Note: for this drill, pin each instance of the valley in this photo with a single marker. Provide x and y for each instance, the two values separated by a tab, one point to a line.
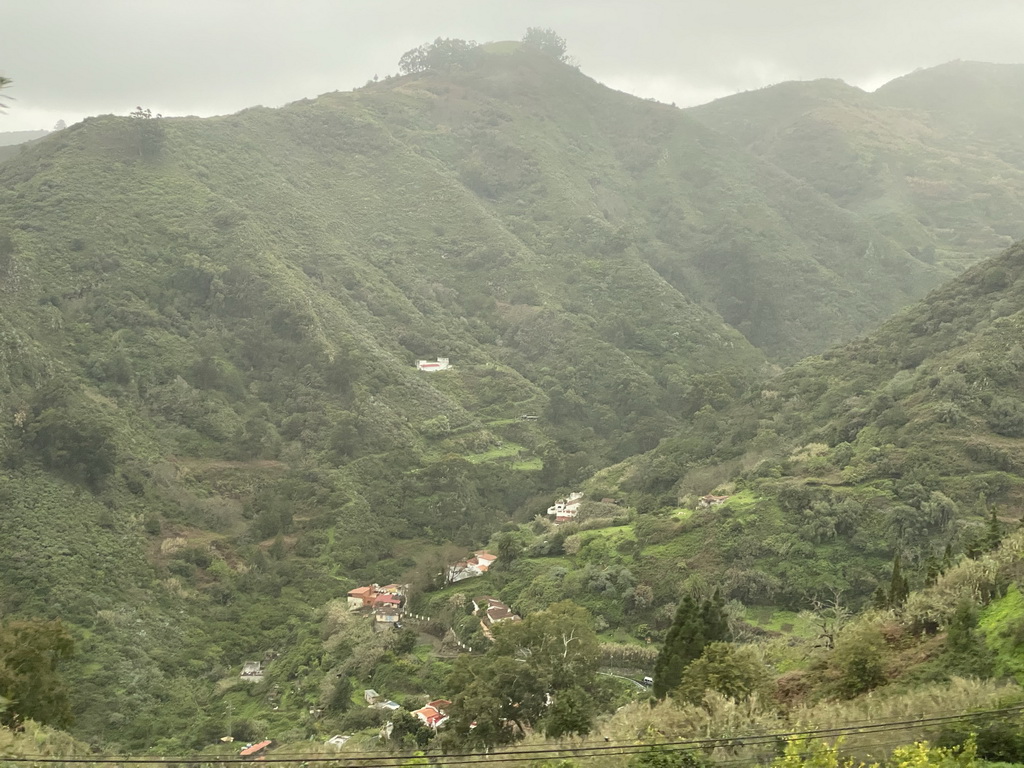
766	354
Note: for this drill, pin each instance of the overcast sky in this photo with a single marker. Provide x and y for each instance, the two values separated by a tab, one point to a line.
73	58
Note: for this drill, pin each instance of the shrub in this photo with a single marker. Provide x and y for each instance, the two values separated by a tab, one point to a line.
857	660
731	670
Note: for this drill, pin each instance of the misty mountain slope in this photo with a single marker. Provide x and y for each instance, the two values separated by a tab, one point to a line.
13	138
905	441
537	140
987	98
164	318
934	159
393	256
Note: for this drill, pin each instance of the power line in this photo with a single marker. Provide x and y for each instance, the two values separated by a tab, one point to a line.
852	726
806	726
516	755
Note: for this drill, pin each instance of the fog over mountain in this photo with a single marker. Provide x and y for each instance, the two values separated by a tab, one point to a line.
70	60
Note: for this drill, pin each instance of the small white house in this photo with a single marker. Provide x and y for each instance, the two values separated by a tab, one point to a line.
252	671
338	741
441	364
706	502
387	610
463	570
567	508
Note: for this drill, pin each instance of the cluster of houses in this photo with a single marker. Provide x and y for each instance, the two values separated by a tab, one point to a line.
490	611
477	565
385	603
441	364
564	510
375	701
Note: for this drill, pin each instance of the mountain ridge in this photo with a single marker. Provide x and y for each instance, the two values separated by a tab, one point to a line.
933	158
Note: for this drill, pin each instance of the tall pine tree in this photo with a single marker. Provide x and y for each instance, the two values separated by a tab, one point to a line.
899	588
694	626
994	532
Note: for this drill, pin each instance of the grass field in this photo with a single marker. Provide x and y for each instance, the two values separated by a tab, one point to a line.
776	620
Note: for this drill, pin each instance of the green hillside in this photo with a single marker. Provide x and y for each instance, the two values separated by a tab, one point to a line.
934	159
904	442
788	268
215	426
863	549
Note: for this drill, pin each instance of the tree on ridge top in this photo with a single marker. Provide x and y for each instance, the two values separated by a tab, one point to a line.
442	54
547	41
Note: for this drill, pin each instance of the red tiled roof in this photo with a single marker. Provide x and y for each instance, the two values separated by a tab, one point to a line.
255	748
431	715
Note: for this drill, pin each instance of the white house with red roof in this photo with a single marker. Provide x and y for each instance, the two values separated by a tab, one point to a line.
477	565
484	559
434	714
367	597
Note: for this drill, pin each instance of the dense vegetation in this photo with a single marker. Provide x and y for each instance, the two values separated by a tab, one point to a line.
215	426
905	442
852	478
